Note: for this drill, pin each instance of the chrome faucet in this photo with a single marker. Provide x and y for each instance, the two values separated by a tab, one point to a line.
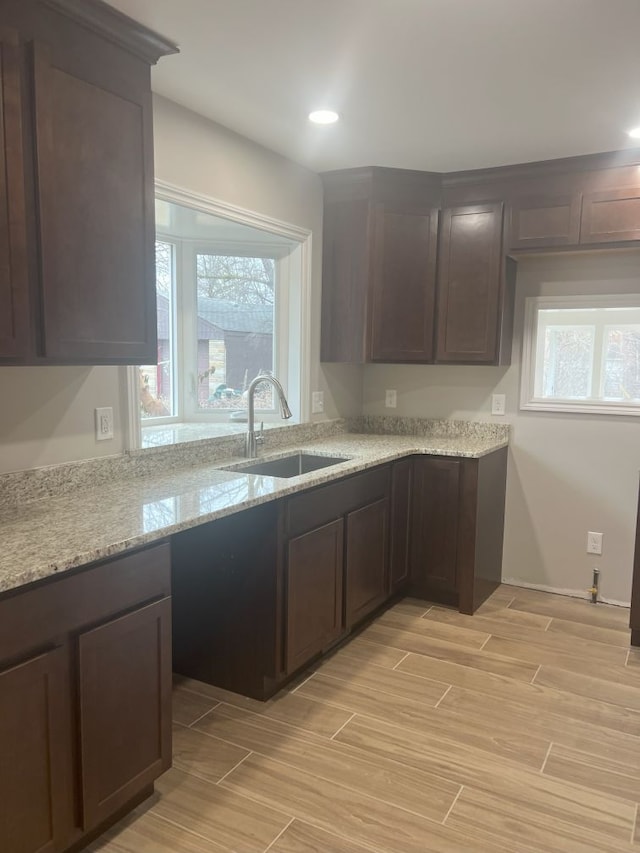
252	440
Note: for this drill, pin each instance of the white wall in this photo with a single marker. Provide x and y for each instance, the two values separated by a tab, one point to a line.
567	473
47	413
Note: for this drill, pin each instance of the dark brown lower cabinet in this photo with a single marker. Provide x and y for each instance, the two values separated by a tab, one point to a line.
35	745
258	595
124	681
367	585
436	504
226	583
85	700
314	592
343	525
458	528
400	533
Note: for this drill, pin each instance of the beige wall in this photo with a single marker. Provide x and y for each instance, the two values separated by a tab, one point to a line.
567	473
47	413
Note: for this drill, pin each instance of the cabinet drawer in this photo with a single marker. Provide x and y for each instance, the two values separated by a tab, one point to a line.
33	618
324	504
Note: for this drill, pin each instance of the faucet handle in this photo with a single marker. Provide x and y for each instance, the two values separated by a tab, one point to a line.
260	436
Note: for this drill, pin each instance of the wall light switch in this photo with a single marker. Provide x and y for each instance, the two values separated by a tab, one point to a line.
498	404
104	423
390	399
317	402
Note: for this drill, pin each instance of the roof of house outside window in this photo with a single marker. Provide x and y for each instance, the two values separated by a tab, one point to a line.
216	316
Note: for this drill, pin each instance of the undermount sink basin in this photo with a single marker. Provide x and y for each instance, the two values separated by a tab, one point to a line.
289	466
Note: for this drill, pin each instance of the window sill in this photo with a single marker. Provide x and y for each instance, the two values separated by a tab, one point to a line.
167	434
580	408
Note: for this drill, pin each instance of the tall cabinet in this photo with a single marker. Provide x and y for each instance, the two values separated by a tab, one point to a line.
76	170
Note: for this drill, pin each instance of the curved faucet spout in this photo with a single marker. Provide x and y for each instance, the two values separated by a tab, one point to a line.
285	411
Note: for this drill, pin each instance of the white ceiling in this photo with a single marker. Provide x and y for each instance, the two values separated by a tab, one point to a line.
421	84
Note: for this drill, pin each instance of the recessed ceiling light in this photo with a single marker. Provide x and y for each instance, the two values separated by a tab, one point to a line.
323	116
635	133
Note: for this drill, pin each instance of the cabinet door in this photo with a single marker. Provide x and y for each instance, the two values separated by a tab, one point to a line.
401	480
92	117
314	592
436	498
35	750
367	560
404	285
611	216
541	221
124	699
346	246
469	284
13	250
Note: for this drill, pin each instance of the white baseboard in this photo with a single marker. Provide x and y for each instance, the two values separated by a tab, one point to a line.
572	593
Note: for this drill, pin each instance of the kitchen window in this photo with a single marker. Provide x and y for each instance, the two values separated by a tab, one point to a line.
232	296
582	354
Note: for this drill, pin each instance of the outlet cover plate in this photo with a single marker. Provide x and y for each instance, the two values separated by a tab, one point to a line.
390	399
498	404
594	542
104	423
317	402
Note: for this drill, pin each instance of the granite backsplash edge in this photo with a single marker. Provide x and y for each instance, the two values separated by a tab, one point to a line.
21	487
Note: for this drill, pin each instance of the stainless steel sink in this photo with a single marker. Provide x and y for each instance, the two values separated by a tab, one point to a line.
288	466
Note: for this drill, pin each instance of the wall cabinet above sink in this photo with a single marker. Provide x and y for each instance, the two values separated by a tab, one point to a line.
77	271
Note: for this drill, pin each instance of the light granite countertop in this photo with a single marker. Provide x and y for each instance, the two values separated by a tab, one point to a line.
44	537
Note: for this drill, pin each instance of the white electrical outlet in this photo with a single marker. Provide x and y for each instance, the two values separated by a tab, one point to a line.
498	404
317	402
390	399
594	542
104	423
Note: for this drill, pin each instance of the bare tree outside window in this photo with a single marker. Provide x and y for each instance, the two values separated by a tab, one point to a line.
236	302
245	281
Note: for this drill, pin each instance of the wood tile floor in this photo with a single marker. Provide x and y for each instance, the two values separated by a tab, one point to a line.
517	729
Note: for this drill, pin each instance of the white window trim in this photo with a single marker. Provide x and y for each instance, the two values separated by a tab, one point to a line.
299	305
528	400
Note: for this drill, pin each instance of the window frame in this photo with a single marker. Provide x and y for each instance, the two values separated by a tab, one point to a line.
294	314
531	348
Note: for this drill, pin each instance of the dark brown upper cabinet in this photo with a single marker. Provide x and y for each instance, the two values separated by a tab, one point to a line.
539	221
574	203
86	161
580	219
379	265
13	236
385	270
403	279
611	216
471	284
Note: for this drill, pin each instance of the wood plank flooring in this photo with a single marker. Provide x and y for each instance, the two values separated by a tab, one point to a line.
516	730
